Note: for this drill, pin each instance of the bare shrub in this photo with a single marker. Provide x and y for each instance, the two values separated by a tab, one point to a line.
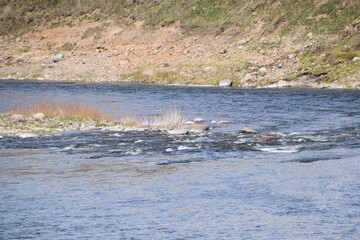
168	120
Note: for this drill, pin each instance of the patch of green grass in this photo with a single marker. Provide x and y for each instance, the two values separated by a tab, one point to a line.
95	32
24	49
67	46
336	64
23	15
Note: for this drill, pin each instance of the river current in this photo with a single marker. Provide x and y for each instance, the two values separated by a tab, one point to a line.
221	184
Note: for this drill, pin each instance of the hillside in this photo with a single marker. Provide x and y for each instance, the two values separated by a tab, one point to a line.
254	43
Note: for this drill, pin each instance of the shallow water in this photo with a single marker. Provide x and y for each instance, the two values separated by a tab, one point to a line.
303	184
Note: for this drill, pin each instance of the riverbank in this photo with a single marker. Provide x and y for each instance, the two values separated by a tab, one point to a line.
257	54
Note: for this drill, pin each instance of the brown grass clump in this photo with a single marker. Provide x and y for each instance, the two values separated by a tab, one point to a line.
62	110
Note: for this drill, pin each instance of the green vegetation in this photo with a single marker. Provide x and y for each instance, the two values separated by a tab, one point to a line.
325	17
333	65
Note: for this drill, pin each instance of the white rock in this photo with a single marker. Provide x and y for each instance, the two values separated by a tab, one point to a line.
244	41
58	58
356	59
38	116
169	150
291	56
225	83
178	131
28	135
248	130
198	120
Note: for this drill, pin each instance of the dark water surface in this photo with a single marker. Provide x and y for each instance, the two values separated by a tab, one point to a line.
218	185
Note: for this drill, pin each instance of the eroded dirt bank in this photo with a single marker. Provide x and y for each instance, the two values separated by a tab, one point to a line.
95	51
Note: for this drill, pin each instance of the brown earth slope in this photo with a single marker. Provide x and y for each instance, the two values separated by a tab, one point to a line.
104	50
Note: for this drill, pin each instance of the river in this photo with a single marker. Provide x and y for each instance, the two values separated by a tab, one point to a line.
217	185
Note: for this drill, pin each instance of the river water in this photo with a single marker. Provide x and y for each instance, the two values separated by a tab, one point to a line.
218	185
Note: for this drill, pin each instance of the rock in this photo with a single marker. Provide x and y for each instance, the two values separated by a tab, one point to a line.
225	51
247	130
225	83
208	69
76	125
356	59
38	116
195	128
247	78
18	118
281	84
267	139
310	35
263	71
158	47
178	132
244	41
291	56
252	69
223	122
264	41
58	58
28	135
198	120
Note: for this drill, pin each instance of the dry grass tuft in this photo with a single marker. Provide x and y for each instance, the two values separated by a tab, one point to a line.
168	120
62	110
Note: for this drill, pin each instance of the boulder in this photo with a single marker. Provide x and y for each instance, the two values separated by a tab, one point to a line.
178	132
195	128
247	130
247	78
356	59
198	120
18	118
58	57
263	71
225	83
38	116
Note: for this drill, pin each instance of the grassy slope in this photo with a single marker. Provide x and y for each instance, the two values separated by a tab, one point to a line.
20	15
324	19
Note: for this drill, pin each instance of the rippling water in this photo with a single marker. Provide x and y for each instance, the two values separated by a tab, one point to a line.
302	184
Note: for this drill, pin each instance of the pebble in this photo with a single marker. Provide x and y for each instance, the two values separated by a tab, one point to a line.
248	130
